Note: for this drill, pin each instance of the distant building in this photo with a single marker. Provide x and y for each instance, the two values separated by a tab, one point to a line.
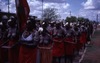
6	15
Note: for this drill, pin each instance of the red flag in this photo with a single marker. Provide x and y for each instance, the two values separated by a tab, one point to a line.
23	10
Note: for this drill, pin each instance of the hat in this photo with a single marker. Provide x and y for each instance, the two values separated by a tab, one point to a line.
43	23
12	17
28	21
52	21
71	24
9	20
66	24
1	23
40	29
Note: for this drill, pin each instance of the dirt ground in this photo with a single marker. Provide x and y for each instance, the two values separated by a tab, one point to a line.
92	54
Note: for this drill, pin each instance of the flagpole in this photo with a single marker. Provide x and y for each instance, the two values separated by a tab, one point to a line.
70	13
97	18
42	9
8	8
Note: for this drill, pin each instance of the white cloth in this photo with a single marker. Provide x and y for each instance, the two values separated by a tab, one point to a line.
29	38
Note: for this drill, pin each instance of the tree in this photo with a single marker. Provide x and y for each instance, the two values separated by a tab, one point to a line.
75	19
50	14
81	19
71	19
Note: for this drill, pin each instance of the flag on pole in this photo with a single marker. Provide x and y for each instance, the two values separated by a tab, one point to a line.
22	9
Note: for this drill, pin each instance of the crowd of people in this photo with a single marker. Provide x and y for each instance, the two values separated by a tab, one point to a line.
47	42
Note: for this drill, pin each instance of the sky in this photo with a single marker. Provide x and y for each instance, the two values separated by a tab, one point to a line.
79	8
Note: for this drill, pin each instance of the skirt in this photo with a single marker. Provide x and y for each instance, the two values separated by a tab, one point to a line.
27	54
46	54
3	53
13	53
58	48
69	47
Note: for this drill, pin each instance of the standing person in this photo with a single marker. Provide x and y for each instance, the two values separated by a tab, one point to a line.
28	47
83	36
45	47
3	52
1	24
69	44
88	33
58	47
1	37
50	28
76	38
13	38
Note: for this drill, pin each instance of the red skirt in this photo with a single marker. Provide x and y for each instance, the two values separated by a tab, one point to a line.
3	54
58	48
27	54
13	53
46	53
1	61
82	40
69	47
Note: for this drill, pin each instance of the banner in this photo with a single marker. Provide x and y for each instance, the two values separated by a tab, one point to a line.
22	10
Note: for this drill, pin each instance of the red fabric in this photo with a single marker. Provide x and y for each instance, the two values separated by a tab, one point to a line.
3	54
45	53
1	61
79	46
58	48
70	39
83	38
13	53
69	47
27	55
51	32
22	12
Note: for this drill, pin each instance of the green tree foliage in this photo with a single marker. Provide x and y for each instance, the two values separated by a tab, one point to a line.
74	19
71	19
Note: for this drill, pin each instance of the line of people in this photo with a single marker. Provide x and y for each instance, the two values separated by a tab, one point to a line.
54	40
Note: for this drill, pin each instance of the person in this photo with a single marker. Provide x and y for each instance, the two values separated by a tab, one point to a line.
69	44
13	38
1	33
1	37
45	47
89	32
58	47
29	41
3	52
83	36
76	38
50	28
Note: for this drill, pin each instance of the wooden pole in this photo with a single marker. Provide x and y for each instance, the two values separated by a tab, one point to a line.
42	9
8	9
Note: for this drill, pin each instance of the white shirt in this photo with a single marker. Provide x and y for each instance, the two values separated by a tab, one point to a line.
29	38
